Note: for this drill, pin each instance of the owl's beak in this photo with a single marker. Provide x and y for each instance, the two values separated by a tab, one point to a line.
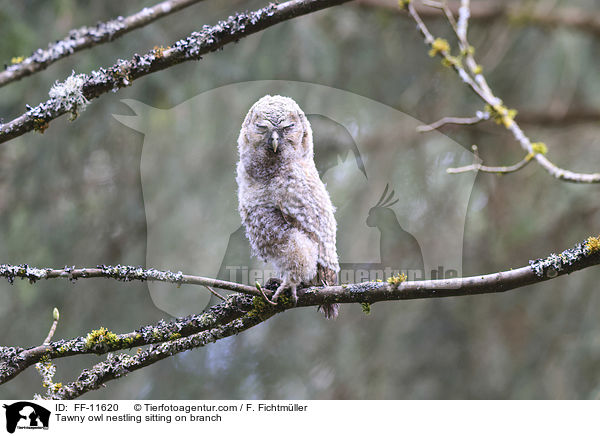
273	140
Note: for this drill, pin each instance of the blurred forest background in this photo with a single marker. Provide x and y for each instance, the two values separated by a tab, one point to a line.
73	196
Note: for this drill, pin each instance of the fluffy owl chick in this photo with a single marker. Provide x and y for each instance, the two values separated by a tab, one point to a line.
283	204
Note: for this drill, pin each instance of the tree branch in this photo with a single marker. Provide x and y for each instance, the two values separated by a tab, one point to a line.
119	365
14	360
478	166
544	119
494	170
87	37
582	255
241	312
123	273
475	80
479	117
514	12
74	94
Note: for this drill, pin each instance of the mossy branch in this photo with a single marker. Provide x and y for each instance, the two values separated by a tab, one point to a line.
240	312
13	360
119	365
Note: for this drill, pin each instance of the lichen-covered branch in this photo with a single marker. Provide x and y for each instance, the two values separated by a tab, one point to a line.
119	365
516	13
240	312
124	273
86	37
82	88
471	74
14	360
582	255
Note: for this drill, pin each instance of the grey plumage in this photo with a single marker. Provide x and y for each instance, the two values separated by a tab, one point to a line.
284	206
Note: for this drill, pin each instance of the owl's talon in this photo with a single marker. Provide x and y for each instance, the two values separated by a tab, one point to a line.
276	294
273	283
282	288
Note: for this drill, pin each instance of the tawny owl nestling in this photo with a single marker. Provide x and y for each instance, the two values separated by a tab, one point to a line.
283	204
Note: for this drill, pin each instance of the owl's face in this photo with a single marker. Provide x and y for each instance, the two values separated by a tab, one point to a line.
276	129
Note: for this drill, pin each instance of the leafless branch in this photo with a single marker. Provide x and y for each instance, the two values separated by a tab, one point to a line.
124	273
517	13
87	37
475	80
478	118
55	318
72	95
215	293
14	360
538	118
119	365
240	312
487	169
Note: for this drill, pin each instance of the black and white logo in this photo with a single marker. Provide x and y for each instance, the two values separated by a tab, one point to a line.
26	415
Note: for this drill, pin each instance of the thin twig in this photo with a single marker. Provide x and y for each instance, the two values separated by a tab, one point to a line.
479	86
215	293
545	119
478	118
488	169
55	316
433	4
429	40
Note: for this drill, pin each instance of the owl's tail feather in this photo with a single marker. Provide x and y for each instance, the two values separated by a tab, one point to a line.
330	310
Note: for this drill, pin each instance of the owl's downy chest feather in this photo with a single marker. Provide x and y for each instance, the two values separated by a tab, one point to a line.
271	185
264	166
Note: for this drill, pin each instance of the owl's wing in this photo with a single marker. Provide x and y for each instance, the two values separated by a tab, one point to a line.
306	206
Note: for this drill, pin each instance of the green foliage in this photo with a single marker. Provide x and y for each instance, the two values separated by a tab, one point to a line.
366	308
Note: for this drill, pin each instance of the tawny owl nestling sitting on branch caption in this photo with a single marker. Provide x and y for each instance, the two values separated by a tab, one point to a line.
283	204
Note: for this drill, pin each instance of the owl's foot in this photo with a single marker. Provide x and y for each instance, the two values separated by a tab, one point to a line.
283	287
273	284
